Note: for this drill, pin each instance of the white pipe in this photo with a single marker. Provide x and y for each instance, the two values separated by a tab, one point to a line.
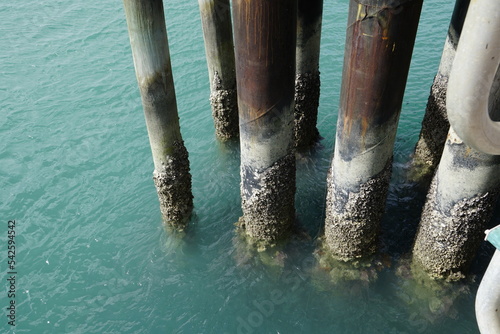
474	68
488	298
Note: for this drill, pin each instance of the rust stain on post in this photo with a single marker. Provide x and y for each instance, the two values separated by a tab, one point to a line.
379	45
261	39
265	38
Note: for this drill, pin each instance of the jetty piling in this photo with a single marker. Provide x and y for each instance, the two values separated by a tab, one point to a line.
379	45
219	49
307	78
458	207
435	124
265	38
149	44
466	185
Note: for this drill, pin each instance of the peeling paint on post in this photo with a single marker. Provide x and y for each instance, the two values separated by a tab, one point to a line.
265	37
307	79
379	45
435	123
219	49
148	40
459	204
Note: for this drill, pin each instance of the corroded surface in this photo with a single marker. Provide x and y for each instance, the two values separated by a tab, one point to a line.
352	221
447	241
434	130
265	34
224	104
173	184
307	90
268	200
379	44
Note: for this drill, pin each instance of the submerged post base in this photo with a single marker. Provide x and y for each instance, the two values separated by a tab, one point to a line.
173	185
268	201
363	270
447	241
352	221
307	91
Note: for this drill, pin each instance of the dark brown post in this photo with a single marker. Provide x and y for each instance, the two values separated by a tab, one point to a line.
307	79
379	46
265	37
148	40
219	49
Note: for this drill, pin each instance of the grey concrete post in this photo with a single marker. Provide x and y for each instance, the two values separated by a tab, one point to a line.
435	123
459	204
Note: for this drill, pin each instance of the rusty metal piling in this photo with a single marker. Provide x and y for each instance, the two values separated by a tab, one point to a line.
379	46
265	37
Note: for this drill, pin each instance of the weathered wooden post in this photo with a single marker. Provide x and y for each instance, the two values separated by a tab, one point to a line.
148	40
379	45
467	183
307	78
219	49
265	37
435	123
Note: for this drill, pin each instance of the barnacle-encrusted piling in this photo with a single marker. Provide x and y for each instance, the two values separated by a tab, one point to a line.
466	185
459	205
307	78
148	40
265	36
435	123
379	45
219	49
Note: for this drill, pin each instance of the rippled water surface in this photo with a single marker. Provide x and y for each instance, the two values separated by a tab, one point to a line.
76	175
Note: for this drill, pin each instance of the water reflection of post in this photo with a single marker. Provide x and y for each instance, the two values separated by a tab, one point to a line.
148	40
379	45
265	37
219	49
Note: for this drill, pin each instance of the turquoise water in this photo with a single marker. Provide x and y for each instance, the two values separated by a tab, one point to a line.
76	175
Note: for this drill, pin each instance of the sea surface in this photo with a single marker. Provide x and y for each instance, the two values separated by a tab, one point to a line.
92	255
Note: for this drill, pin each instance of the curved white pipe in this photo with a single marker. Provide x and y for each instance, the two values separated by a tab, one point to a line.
487	298
474	68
